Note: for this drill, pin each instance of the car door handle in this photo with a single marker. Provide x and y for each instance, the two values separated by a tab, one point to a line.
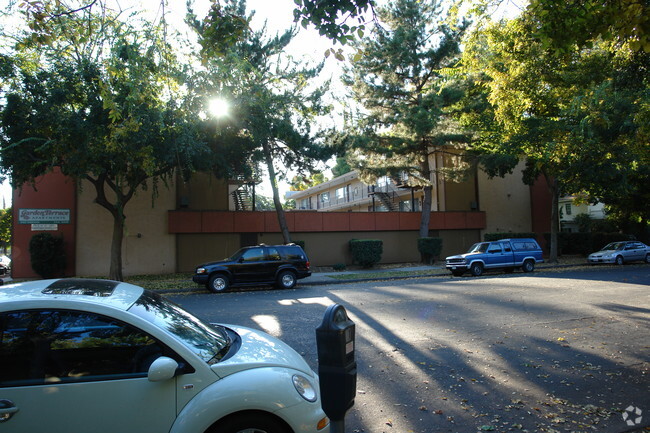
7	409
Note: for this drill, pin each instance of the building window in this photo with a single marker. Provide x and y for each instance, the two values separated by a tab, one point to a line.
567	208
340	194
305	203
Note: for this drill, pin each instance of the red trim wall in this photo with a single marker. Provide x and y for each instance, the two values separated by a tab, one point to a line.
53	191
187	221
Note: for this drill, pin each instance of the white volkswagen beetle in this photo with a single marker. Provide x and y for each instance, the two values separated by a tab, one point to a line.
82	355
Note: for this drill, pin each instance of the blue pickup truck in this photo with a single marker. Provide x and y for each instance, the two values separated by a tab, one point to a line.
506	254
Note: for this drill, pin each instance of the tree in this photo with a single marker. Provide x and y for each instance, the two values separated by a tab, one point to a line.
560	25
564	113
102	101
342	167
6	222
273	100
331	17
301	183
399	83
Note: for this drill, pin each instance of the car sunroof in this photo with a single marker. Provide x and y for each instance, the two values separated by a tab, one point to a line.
81	286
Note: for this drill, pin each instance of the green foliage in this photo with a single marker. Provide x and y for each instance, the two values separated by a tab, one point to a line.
584	222
561	24
342	167
339	267
575	117
406	100
111	111
330	17
47	255
274	102
586	243
6	224
429	249
489	237
301	182
366	252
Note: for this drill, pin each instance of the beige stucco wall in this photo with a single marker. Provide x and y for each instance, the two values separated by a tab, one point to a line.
506	202
146	249
204	192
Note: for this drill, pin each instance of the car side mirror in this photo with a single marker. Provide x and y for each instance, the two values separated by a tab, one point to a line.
241	260
162	369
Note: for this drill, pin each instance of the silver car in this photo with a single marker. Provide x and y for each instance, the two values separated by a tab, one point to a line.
621	252
102	356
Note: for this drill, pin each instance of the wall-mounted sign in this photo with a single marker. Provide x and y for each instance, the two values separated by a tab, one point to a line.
44	216
45	227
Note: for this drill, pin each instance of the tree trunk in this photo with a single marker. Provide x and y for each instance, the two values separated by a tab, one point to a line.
554	189
115	272
426	212
276	195
425	169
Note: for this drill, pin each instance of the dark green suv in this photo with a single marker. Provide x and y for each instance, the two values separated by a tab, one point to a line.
281	265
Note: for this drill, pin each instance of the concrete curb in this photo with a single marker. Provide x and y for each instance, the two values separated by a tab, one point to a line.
322	279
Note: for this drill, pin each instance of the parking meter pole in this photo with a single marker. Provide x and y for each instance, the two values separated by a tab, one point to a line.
337	426
337	369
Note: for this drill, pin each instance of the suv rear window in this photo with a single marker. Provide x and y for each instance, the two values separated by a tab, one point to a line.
291	252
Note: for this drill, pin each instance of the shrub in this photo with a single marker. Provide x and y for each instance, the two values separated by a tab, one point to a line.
47	255
429	249
584	243
489	237
339	266
366	252
301	244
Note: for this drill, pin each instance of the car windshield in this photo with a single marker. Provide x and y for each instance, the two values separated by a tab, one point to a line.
208	342
613	246
237	255
480	247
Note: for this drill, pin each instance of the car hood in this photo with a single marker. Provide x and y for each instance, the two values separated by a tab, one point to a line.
600	253
462	256
217	263
257	350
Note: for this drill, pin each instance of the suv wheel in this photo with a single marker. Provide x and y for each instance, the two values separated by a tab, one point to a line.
528	266
476	269
218	283
286	280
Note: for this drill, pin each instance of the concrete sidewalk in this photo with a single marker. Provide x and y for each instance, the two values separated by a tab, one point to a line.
420	271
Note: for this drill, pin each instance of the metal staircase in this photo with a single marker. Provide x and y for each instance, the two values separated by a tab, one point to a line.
242	198
386	198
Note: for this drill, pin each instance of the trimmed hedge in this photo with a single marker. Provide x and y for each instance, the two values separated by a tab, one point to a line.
584	243
489	237
366	252
429	249
47	255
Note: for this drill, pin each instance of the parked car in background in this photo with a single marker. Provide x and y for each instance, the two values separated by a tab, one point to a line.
85	355
5	264
506	254
621	252
282	265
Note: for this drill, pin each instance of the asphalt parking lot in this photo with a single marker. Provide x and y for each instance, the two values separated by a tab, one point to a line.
557	351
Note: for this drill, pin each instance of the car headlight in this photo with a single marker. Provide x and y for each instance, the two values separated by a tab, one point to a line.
201	270
304	388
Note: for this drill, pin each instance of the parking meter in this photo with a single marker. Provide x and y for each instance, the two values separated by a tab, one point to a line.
337	368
